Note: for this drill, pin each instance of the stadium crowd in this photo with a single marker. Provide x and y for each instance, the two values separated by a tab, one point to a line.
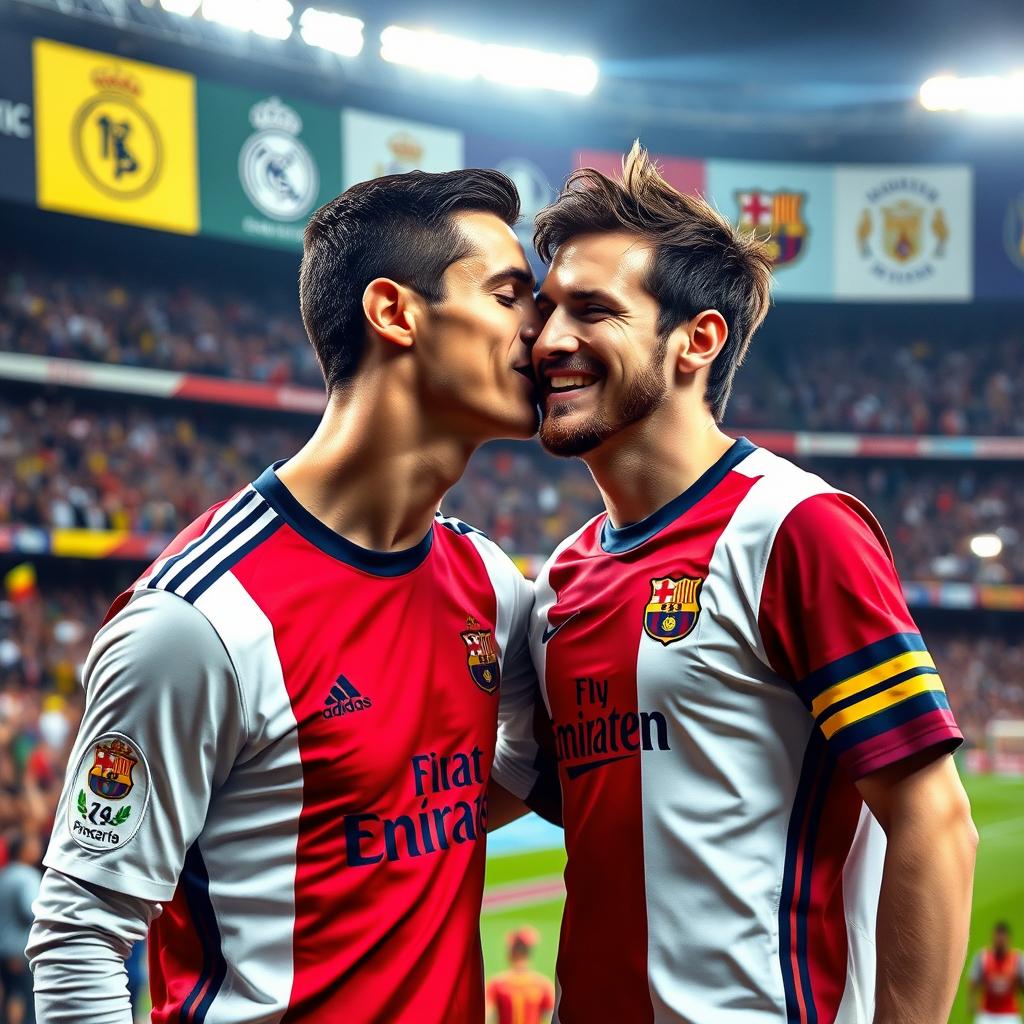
67	462
871	383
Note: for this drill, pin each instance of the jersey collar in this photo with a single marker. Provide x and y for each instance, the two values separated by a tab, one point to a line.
616	541
377	563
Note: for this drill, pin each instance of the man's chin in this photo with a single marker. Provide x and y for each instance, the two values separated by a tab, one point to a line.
571	436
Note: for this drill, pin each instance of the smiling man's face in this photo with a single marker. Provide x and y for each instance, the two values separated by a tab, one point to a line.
600	359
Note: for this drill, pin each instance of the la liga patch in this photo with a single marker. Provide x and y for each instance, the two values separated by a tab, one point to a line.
110	794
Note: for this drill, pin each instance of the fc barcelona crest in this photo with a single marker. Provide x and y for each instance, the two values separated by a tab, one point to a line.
672	609
482	656
777	219
111	773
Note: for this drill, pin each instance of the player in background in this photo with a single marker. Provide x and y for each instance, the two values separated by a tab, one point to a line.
762	819
291	717
997	980
520	995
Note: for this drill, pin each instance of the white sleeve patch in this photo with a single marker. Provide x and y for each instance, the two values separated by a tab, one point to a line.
109	794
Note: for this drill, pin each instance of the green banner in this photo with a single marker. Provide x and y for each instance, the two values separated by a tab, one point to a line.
265	164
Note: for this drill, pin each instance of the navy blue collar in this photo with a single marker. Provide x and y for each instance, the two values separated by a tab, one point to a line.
625	538
377	563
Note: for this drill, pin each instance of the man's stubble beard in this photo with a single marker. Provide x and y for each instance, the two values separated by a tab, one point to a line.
645	394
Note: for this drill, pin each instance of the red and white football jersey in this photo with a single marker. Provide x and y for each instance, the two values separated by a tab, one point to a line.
294	761
718	676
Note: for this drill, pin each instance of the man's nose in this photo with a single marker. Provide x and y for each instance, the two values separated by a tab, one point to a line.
554	340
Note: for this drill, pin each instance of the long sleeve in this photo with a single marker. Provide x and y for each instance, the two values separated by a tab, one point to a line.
78	945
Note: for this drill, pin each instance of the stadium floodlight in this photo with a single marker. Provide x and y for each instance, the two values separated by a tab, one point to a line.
987	545
523	68
465	59
270	18
987	94
186	8
329	31
430	51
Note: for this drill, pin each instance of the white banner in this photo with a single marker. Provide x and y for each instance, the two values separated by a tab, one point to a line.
903	233
373	145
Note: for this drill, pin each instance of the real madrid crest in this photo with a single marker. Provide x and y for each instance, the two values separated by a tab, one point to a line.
277	171
481	656
672	609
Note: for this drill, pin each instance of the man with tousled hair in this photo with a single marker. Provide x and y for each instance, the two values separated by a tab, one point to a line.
291	717
762	819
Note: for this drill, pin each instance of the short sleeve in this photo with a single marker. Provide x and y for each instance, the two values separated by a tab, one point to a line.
515	754
834	622
162	727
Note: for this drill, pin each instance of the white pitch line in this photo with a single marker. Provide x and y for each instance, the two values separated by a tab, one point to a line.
998	829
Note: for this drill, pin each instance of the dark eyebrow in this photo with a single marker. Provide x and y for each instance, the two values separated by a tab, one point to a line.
510	274
585	295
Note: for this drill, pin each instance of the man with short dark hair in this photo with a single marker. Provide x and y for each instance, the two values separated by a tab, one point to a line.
743	709
291	717
997	980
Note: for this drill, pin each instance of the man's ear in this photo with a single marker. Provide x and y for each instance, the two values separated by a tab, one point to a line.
700	340
390	309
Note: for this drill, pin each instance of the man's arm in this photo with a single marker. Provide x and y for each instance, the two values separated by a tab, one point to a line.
78	945
925	902
161	693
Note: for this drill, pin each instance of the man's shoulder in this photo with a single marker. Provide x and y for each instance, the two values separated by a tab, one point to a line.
500	565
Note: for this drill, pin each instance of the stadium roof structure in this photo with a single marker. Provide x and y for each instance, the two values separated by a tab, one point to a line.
733	65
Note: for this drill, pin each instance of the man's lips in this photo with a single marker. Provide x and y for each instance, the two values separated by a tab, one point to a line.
567	381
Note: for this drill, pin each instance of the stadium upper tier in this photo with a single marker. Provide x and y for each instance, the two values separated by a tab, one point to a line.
67	462
867	382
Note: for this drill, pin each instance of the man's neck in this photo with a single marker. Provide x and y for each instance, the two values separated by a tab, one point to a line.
645	466
372	472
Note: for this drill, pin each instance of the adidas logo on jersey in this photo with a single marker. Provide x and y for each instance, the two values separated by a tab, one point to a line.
344	699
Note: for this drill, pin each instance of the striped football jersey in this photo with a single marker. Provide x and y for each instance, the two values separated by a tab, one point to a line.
718	677
309	804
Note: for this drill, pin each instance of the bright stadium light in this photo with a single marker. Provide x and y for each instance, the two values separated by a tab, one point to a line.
522	68
464	59
986	545
329	31
989	94
430	51
270	18
186	8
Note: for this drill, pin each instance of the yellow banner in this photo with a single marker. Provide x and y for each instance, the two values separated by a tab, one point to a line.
115	138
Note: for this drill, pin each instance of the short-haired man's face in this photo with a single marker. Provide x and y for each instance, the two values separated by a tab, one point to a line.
1000	940
600	362
474	346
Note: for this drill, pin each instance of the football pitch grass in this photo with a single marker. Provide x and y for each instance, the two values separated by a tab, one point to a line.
522	888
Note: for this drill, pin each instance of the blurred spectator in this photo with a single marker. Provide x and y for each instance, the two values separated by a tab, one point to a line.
65	463
862	382
19	884
130	324
879	384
